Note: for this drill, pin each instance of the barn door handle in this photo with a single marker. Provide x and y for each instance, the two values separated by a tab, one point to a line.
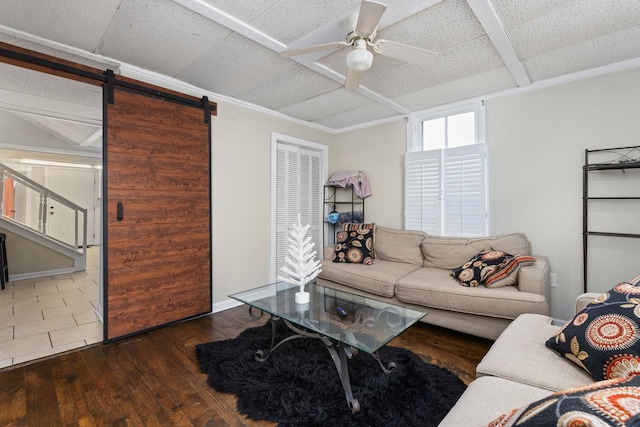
120	211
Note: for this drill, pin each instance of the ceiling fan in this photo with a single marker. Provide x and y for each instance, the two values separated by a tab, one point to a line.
360	32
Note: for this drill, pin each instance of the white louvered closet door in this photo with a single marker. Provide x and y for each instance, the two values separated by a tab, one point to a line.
298	190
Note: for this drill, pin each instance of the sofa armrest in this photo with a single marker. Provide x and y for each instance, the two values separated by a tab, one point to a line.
584	299
536	278
329	252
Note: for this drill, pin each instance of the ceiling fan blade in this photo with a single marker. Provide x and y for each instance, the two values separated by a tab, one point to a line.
353	79
406	53
309	49
370	14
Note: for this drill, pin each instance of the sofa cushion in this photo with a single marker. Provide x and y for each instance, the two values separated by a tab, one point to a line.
452	252
519	354
354	246
435	287
488	397
480	267
606	403
507	272
378	278
604	337
399	245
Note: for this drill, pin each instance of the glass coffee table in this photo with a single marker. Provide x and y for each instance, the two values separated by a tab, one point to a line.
346	323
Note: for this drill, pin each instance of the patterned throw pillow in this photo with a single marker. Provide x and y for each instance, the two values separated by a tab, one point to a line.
352	226
606	403
507	272
354	246
475	271
603	338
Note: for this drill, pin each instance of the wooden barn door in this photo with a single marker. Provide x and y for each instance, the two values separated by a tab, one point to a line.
157	213
156	197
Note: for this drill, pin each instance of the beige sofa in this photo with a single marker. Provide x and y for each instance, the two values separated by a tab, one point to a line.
518	370
412	268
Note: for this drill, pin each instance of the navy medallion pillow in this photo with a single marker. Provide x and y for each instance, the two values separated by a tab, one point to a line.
354	226
604	338
354	246
475	271
605	403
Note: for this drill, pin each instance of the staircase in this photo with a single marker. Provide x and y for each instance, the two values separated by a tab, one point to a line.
25	212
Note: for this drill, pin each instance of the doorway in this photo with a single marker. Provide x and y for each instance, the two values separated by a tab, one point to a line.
154	149
49	120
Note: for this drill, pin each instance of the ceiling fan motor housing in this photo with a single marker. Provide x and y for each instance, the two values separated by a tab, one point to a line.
349	28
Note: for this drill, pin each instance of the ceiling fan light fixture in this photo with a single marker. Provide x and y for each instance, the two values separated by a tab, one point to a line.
359	58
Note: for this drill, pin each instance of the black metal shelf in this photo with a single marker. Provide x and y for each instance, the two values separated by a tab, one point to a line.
623	162
610	234
614	198
612	166
331	200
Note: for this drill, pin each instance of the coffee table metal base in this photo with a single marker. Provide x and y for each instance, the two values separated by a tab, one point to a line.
340	353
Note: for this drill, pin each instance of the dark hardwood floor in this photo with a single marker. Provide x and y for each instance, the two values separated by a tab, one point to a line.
153	379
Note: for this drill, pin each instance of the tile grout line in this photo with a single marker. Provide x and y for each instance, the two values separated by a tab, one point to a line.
39	298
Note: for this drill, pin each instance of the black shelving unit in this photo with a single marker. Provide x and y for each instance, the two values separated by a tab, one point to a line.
341	200
621	159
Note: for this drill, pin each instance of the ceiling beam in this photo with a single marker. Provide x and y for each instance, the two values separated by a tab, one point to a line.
486	14
93	139
53	127
208	11
328	72
232	23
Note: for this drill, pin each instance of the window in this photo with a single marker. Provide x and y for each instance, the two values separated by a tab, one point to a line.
445	181
451	131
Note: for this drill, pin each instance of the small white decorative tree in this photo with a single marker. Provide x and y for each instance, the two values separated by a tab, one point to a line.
301	267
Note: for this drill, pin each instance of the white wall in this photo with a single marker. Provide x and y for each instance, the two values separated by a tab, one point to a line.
241	156
536	146
378	151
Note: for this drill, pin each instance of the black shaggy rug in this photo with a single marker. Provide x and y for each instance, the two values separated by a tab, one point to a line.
299	384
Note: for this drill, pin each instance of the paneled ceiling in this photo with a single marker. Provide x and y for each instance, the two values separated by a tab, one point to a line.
232	47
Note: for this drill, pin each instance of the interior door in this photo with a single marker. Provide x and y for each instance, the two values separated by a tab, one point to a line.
79	187
158	213
298	191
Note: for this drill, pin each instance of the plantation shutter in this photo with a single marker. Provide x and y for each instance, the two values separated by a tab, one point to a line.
445	191
298	190
464	191
423	191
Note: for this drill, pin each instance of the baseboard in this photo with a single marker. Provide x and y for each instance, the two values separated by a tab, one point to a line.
224	305
38	274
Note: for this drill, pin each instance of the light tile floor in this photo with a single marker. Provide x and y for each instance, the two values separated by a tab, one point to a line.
49	315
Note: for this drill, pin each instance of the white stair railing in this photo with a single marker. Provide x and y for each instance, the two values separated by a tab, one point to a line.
35	208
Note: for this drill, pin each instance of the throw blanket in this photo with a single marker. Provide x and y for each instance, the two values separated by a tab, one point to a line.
357	180
350	216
